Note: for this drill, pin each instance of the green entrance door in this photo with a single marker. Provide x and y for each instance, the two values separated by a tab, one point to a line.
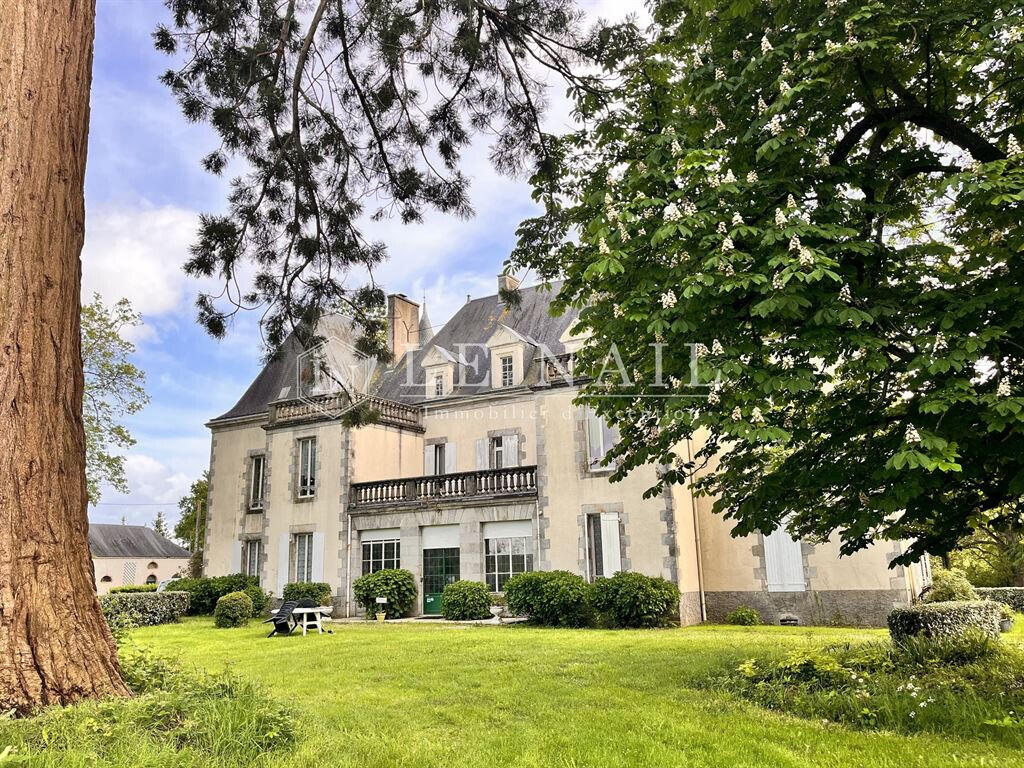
440	568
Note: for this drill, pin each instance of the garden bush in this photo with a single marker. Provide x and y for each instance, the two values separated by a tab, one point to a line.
206	591
934	620
742	616
396	584
129	588
635	600
1011	596
552	598
141	609
466	601
948	586
260	599
317	591
233	610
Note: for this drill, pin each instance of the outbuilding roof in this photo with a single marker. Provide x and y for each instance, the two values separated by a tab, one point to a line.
106	540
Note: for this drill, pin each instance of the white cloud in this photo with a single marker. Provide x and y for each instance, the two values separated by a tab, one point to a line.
152	480
138	254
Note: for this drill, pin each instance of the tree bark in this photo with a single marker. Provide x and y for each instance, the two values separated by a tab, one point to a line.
55	647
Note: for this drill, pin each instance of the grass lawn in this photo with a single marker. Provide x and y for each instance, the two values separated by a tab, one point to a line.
426	695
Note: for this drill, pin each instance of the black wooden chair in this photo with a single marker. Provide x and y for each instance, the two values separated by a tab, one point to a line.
283	620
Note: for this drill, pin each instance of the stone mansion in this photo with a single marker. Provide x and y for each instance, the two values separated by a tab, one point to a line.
479	467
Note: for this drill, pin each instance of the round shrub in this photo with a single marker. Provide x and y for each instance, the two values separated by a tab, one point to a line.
466	601
316	591
552	598
396	584
233	610
206	591
635	600
948	619
743	617
948	586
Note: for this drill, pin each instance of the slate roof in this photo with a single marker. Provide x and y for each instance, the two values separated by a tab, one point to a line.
465	334
131	541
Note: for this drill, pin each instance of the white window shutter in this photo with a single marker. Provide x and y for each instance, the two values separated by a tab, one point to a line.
283	561
783	562
318	558
236	556
449	458
510	443
428	460
611	550
594	448
482	461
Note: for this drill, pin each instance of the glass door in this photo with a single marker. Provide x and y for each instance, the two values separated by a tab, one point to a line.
440	568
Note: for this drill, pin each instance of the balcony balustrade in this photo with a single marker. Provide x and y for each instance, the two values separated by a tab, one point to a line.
481	484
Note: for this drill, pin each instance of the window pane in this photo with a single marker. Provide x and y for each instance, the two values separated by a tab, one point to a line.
518	563
503	546
489	546
518	546
492	582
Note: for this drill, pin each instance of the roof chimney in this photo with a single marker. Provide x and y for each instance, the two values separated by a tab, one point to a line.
507	283
403	325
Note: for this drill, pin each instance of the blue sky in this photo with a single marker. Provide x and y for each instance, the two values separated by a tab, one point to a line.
144	190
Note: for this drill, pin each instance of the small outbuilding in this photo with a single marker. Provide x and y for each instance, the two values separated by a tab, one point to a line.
133	554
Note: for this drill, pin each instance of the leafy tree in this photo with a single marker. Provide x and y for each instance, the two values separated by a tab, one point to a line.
993	555
114	388
195	499
348	110
826	201
160	523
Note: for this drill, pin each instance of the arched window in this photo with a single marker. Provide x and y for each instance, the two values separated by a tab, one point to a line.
151	579
106	580
152	565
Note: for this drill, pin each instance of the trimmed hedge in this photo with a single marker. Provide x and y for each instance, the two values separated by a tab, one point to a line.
143	609
950	619
949	586
466	601
206	591
552	598
260	599
130	588
396	584
634	600
233	610
316	591
1011	596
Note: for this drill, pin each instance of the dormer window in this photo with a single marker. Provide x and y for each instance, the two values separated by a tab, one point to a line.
440	371
439	385
507	375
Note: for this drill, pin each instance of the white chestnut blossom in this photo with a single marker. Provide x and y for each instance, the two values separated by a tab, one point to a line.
778	282
756	417
806	257
714	397
783	87
737	414
761	106
780	218
700	351
719	74
689	208
752	177
775	125
736	54
1012	146
727	244
719	125
1003	390
618	311
765	45
721	228
790	202
671	213
787	362
737	220
794	243
911	435
727	270
716	348
668	299
729	178
845	294
602	246
940	343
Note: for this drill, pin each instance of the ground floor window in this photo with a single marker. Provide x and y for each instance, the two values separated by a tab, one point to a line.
504	557
379	555
303	557
251	551
604	554
151	579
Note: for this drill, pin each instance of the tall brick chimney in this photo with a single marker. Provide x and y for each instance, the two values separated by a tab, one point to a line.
403	325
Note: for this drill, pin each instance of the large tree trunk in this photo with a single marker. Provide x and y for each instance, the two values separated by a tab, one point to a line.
55	647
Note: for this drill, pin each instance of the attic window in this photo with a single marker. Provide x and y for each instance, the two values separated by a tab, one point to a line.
438	385
506	371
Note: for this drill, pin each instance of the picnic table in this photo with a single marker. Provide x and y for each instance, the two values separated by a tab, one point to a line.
312	617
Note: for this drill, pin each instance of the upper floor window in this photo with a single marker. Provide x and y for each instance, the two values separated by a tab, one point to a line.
498	447
307	467
506	371
498	451
152	566
439	385
257	470
601	438
439	462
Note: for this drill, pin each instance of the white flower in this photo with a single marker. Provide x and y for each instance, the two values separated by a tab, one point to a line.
786	71
641	232
737	414
775	125
911	436
700	351
752	177
756	417
618	311
727	270
716	348
671	212
794	243
737	220
728	178
780	218
845	294
823	161
790	202
691	110
831	47
676	149
761	106
736	54
940	343
787	362
765	45
719	74
778	282
713	397
719	125
689	208
783	87
1003	390
727	244
668	299
602	246
806	257
721	228
1012	146
697	60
